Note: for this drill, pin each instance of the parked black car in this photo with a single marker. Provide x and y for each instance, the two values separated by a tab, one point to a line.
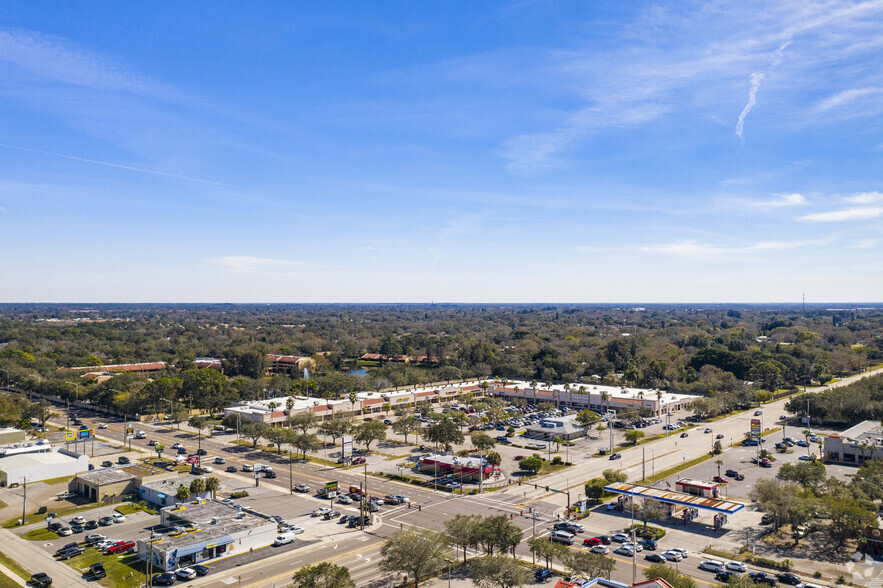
269	474
788	578
66	547
165	579
199	569
97	571
762	578
72	552
105	521
725	576
91	525
41	580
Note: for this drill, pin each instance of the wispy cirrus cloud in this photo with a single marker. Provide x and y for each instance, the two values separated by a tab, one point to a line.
865	198
257	266
61	61
691	248
848	97
649	77
847	214
782	200
865	210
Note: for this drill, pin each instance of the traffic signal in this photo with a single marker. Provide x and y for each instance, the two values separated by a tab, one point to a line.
519	481
547	488
534	486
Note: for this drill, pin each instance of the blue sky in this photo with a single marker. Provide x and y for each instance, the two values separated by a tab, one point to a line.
449	151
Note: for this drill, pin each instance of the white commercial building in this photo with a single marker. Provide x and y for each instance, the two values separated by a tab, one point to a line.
594	396
276	410
36	466
206	530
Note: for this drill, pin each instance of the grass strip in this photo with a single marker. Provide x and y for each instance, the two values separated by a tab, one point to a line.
679	468
14	566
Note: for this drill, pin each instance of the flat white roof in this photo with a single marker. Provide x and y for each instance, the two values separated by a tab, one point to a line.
31	460
615	392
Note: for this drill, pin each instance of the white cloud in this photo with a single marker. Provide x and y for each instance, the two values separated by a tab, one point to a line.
846	97
781	201
796	49
248	265
698	250
848	214
865	198
864	244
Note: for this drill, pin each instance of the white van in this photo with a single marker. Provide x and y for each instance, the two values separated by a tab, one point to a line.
140	435
284	538
561	537
712	565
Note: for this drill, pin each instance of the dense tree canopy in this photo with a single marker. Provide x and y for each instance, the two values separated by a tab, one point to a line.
713	350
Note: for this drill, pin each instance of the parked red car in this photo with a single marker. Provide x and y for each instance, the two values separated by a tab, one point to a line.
592	541
121	547
720	479
359	460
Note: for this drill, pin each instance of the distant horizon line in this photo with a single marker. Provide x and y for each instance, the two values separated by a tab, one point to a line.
449	303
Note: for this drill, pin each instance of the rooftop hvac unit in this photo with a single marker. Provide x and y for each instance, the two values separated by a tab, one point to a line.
216	520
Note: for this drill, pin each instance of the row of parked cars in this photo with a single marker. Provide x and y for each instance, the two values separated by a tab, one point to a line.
78	524
183	574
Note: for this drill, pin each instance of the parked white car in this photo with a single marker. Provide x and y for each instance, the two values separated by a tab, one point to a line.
602	549
672	555
683	552
736	566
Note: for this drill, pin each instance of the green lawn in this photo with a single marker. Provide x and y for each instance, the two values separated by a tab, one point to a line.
40	534
38	517
7	582
128	508
122	570
61	480
14	566
687	464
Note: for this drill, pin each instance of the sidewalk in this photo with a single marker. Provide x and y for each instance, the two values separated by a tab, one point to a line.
38	560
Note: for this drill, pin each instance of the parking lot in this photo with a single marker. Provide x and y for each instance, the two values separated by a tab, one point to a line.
296	508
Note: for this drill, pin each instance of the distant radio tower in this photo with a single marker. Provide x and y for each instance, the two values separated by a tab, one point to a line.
804	302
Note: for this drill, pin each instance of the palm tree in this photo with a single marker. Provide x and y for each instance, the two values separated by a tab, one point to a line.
197	486
212	485
557	441
183	493
289	404
719	463
605	398
353	398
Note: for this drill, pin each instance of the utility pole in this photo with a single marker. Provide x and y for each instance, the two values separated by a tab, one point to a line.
643	463
634	546
290	477
149	567
24	501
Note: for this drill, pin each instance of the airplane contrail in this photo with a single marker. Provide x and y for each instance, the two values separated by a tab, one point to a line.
752	100
119	166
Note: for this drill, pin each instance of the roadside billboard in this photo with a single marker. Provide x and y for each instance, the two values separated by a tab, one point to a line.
347	446
83	435
755	428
